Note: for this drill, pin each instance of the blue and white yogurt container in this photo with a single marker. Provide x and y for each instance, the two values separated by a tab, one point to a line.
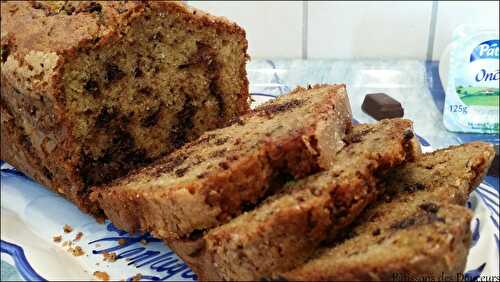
472	90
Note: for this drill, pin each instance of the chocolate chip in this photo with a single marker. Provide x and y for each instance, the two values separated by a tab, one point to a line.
376	232
137	72
411	188
5	52
405	223
202	175
247	206
221	141
36	5
185	122
95	40
430	207
47	173
92	87
104	117
171	163
196	234
181	171
121	10
381	105
152	118
113	73
408	134
146	91
235	120
419	186
157	36
224	165
69	9
218	153
277	108
93	7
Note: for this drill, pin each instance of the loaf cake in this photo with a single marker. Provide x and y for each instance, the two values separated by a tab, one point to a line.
287	227
227	171
418	227
91	90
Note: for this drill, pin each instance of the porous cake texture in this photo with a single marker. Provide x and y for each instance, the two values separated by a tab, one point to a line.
93	89
419	228
287	227
227	171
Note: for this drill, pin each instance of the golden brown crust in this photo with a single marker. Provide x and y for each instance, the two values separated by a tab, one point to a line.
437	244
210	180
285	229
417	228
40	41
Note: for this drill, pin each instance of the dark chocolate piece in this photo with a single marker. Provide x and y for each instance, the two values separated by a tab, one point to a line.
381	105
493	171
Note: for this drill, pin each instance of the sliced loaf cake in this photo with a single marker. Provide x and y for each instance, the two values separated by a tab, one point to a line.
92	89
418	228
226	171
287	227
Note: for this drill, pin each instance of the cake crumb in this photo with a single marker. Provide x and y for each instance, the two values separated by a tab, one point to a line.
100	219
137	277
111	257
67	243
98	245
57	238
77	251
101	275
122	242
78	236
144	242
67	228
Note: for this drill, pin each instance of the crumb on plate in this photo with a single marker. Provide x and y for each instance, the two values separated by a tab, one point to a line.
144	242
77	251
67	243
111	257
67	228
137	277
78	236
57	238
122	242
101	275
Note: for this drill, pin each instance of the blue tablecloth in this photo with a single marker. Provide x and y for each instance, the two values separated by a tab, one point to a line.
415	84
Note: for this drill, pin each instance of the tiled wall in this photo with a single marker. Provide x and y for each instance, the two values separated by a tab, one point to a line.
345	29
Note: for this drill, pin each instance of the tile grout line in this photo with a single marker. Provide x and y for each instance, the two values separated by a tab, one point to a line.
432	31
305	16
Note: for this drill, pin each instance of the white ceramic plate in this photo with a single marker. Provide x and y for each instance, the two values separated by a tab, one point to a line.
32	215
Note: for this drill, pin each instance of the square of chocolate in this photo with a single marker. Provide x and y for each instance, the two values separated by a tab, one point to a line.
381	105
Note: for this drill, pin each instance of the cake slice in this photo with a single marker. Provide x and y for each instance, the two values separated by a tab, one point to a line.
92	89
418	228
226	171
286	228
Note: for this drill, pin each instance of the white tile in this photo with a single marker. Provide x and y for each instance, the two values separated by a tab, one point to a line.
373	30
274	28
453	13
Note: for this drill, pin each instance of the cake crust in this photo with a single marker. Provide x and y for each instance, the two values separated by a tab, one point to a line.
63	125
209	181
286	228
417	228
